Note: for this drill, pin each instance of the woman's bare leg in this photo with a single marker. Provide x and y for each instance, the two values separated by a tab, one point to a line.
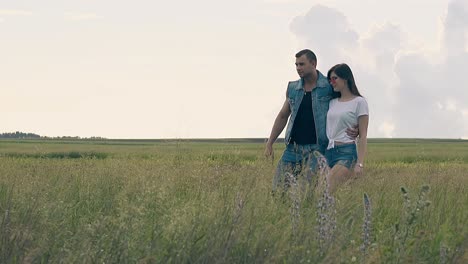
338	175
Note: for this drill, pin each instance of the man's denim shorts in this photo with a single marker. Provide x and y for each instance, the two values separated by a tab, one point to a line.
295	153
296	159
345	155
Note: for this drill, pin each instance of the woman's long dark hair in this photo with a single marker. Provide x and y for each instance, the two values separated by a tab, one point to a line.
344	72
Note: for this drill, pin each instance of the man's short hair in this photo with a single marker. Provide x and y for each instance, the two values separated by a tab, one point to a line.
309	54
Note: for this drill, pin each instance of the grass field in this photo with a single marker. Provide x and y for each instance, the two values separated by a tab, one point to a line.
143	201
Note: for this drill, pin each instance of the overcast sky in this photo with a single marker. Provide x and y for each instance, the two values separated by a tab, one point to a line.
219	68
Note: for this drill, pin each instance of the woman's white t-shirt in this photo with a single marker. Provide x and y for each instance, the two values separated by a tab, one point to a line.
342	115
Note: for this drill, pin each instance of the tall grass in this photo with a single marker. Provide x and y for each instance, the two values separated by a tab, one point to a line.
205	203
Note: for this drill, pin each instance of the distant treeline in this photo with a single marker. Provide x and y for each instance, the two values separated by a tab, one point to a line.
22	135
18	134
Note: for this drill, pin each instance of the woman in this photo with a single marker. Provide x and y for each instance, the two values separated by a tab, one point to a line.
348	110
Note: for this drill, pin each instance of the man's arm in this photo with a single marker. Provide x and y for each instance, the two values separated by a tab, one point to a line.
353	132
280	122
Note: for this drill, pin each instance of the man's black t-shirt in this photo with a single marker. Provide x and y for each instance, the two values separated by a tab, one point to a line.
303	131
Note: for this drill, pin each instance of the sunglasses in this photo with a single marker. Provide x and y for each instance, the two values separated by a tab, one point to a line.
333	79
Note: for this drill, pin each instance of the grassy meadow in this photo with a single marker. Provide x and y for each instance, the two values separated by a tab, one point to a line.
144	201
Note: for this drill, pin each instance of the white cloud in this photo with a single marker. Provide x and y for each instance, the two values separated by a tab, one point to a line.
465	113
420	91
82	16
281	1
14	12
371	57
326	31
427	106
384	42
456	25
451	105
387	129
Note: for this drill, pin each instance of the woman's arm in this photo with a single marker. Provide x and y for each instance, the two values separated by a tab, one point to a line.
363	122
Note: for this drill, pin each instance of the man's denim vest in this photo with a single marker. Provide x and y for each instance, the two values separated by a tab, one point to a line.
321	96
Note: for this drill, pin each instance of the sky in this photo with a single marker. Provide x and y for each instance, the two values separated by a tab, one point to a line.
219	68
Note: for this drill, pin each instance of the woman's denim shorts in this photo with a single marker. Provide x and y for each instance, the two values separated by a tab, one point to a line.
345	155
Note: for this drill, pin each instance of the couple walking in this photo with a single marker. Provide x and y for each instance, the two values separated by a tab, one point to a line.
326	114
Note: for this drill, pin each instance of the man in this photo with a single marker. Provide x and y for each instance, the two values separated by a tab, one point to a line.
306	106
